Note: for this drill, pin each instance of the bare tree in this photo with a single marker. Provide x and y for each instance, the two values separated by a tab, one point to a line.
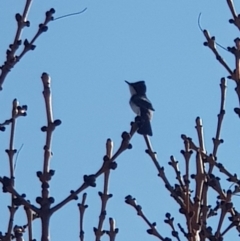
191	191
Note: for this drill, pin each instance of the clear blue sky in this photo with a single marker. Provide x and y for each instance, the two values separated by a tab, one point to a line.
88	57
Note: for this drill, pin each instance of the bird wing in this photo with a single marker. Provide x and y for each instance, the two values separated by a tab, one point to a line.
143	102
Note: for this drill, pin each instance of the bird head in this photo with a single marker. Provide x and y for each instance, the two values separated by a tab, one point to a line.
137	87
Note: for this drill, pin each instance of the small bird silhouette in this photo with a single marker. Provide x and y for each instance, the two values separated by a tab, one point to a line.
142	106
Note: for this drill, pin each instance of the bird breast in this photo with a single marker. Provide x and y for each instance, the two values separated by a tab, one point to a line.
135	108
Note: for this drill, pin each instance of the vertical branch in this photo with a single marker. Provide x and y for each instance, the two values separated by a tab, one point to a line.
112	231
50	125
11	151
109	151
16	112
216	140
49	131
199	128
237	56
12	210
236	52
45	201
82	207
29	222
187	153
104	196
45	228
199	178
200	197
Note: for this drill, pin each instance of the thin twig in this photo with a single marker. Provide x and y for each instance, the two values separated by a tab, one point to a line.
199	22
153	231
70	14
236	18
200	27
161	173
15	162
170	221
211	44
42	28
12	58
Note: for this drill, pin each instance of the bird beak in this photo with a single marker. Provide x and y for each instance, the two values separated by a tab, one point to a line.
127	82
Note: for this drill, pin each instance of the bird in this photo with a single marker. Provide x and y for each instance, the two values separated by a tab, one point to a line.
142	106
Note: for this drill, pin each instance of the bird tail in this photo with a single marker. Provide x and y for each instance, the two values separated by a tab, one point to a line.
144	123
145	127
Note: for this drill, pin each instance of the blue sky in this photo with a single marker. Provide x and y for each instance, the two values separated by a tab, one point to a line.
88	57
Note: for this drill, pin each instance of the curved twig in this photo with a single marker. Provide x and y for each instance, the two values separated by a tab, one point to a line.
70	14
